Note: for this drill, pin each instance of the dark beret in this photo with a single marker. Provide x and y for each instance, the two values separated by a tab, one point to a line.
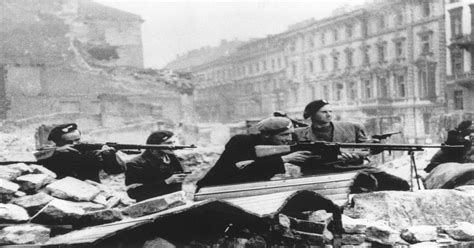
464	125
159	137
56	133
274	125
313	107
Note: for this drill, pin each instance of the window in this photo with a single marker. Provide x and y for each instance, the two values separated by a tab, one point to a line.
456	22
323	38
366	57
273	64
326	92
426	77
381	22
349	31
310	66
383	87
335	35
335	62
400	82
311	42
425	44
322	61
381	50
313	92
426	8
339	92
399	53
458	100
368	89
292	46
352	91
279	62
399	19
349	58
457	60
264	65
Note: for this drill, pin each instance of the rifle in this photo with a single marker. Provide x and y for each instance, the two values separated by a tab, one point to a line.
330	150
384	135
128	148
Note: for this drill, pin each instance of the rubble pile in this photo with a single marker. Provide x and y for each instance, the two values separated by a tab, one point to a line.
35	206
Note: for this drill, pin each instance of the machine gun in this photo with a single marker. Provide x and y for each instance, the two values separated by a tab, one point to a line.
384	135
328	152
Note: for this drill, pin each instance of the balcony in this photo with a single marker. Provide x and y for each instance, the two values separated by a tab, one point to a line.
465	79
465	41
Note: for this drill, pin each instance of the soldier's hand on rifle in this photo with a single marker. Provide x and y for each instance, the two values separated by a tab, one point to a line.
107	150
175	178
66	149
347	156
296	157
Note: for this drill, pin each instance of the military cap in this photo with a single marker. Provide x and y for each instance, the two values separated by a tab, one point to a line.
313	107
58	131
464	128
274	125
159	137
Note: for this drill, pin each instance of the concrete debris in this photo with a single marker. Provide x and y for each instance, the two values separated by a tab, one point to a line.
38	169
100	217
354	226
353	239
383	234
320	216
13	213
155	204
33	182
9	173
7	187
112	202
74	189
416	234
462	231
58	212
22	167
33	203
24	234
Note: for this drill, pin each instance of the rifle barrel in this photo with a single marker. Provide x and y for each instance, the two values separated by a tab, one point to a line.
400	147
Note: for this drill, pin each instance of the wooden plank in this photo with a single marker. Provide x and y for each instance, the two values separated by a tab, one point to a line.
277	185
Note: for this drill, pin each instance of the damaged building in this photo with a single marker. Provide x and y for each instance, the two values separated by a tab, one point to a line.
77	60
382	63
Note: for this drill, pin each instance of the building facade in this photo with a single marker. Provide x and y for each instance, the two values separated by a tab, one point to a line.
460	57
383	64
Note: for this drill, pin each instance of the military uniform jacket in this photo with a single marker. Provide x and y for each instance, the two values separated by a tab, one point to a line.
239	163
344	132
83	166
148	173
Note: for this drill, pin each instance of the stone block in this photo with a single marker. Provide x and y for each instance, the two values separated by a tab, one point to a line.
422	233
58	212
9	173
112	202
24	234
7	187
405	209
308	226
462	231
354	226
22	167
311	238
38	169
363	245
70	188
100	217
383	234
155	204
13	213
88	206
320	216
33	203
100	199
33	182
353	239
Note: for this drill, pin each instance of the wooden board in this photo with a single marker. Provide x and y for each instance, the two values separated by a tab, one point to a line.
323	184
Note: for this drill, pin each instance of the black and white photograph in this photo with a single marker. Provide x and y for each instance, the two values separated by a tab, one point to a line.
237	123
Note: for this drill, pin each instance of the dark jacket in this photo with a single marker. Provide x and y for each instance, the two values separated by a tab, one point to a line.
230	168
151	172
83	166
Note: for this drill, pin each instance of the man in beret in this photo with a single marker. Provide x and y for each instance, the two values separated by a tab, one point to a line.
461	135
239	163
154	172
323	128
64	160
